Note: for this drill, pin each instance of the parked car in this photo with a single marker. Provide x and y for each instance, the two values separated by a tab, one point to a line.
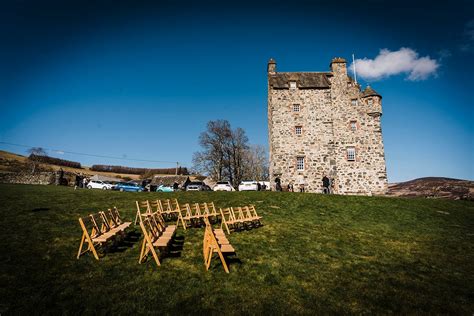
196	186
249	186
96	184
164	188
128	186
223	186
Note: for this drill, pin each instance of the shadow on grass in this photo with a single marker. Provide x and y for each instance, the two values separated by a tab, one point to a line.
175	248
40	209
123	243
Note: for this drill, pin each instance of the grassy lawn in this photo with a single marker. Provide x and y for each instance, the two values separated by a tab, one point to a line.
315	253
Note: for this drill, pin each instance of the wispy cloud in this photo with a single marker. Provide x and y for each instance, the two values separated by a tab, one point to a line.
403	61
467	46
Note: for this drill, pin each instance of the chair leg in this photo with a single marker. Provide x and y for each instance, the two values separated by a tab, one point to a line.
142	251
209	258
92	248
223	262
80	247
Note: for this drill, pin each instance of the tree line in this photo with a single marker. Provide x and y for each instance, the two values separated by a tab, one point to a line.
130	170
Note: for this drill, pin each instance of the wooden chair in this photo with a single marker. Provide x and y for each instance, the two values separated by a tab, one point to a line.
252	215
142	208
215	243
209	210
155	237
227	219
238	214
92	235
114	219
212	210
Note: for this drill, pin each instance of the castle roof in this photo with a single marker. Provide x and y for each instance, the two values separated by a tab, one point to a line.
369	92
272	61
304	80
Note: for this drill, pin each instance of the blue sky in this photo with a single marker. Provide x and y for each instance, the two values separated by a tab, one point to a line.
141	79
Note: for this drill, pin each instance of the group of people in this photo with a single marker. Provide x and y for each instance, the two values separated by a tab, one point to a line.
327	185
80	181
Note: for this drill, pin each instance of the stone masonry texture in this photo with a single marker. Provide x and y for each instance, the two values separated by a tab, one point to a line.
334	116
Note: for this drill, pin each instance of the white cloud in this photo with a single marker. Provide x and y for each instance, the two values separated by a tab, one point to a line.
403	61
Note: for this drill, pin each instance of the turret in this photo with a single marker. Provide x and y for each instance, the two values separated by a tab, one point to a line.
271	67
373	101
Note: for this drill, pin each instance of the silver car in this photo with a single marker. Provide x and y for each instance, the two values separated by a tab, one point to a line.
195	186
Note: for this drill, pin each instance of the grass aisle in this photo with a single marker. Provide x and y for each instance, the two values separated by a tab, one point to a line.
315	253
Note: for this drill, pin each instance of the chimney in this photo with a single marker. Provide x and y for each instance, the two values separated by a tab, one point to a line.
338	66
271	67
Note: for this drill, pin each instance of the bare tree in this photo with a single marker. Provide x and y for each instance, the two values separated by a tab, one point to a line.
238	147
36	151
256	163
223	152
215	142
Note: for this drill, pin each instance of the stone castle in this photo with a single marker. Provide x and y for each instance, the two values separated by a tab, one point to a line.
321	123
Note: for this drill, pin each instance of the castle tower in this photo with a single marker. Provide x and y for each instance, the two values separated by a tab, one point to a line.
320	123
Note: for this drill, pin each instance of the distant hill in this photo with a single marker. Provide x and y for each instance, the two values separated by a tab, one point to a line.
10	162
434	187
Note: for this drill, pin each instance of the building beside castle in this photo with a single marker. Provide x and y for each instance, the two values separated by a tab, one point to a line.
321	123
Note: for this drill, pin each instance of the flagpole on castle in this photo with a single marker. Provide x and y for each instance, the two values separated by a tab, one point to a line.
354	64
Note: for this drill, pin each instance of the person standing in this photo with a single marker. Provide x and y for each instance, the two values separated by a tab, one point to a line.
326	184
84	182
76	181
290	187
301	184
278	184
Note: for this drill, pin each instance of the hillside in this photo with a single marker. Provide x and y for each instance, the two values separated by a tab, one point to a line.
315	254
434	187
10	162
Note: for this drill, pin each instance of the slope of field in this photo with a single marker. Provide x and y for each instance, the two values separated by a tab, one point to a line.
315	254
434	187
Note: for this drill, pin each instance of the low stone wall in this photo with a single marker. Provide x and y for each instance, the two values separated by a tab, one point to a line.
28	178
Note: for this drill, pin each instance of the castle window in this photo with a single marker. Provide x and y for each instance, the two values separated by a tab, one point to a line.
351	154
296	107
292	85
353	125
370	102
354	102
300	163
299	130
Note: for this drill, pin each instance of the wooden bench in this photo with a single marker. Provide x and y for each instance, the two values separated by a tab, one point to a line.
99	228
215	241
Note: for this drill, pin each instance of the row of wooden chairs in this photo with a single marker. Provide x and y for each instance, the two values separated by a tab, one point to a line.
157	236
215	241
185	214
239	217
99	228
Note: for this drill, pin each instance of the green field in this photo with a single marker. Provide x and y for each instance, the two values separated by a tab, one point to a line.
315	253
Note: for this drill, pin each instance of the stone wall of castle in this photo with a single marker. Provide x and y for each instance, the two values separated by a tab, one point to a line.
325	118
